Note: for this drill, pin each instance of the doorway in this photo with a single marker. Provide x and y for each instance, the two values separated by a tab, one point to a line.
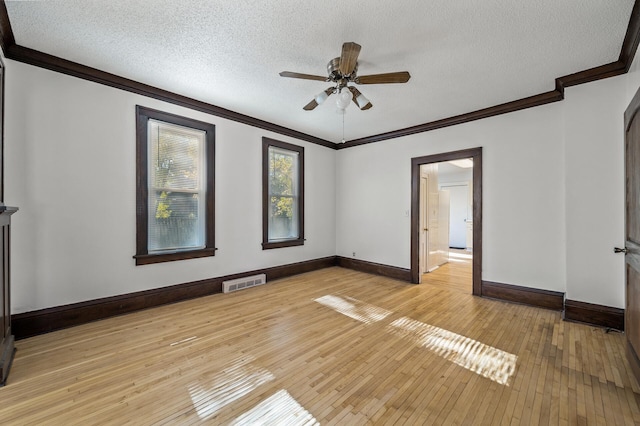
475	222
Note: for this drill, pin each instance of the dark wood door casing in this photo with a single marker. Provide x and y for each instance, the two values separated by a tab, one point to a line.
476	155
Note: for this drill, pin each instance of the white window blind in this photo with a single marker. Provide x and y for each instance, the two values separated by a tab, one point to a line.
176	187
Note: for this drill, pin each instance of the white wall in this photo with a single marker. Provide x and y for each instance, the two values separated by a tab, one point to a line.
553	192
70	168
523	218
594	190
594	187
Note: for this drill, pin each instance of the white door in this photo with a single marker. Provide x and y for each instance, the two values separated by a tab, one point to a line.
423	225
459	202
433	233
443	225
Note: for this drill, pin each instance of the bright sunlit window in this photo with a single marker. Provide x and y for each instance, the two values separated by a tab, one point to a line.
174	187
283	194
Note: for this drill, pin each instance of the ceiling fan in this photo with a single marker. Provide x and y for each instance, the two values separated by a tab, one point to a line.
342	71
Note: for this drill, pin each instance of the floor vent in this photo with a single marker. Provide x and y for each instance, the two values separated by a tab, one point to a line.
242	283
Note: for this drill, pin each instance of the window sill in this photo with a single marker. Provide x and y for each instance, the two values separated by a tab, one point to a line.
281	244
147	259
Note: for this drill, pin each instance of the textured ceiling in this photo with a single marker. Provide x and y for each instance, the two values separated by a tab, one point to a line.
463	55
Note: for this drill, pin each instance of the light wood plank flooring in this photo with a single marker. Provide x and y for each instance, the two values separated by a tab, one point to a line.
457	274
332	347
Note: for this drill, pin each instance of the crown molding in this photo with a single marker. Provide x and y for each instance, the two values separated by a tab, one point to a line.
29	56
36	58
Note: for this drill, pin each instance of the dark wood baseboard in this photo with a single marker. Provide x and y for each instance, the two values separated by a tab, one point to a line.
525	295
598	315
375	268
32	323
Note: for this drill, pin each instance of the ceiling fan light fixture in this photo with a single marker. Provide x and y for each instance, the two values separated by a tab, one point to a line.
344	98
361	101
321	97
343	70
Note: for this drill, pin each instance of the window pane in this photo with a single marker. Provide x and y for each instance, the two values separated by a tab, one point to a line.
175	221
283	211
175	191
283	194
176	213
175	160
283	172
283	218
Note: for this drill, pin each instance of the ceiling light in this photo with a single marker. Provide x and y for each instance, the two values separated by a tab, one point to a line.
344	98
321	97
465	163
362	101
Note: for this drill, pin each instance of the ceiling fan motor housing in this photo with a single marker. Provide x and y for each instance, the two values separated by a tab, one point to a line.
333	70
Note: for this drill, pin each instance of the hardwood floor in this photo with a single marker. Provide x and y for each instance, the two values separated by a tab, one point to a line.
457	274
333	346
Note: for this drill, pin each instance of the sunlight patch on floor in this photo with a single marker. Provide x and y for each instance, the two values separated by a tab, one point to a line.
354	308
482	359
459	257
229	385
279	409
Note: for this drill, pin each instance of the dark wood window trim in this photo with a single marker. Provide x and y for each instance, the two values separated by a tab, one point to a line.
266	244
142	256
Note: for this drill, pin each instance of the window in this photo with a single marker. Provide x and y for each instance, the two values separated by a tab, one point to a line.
175	187
282	194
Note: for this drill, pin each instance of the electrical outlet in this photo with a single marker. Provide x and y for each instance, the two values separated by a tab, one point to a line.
354	254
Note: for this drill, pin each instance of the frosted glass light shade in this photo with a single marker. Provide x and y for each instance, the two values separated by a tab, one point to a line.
361	101
321	97
344	98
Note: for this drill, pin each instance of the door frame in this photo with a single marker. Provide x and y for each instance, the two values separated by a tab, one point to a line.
476	155
458	184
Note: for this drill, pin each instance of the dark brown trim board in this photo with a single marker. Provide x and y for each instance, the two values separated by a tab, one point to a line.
476	155
45	320
598	315
53	63
375	268
621	66
605	71
6	33
524	295
532	101
631	38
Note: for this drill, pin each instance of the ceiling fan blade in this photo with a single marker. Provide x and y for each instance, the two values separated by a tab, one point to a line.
303	76
310	106
359	99
392	77
349	57
320	98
